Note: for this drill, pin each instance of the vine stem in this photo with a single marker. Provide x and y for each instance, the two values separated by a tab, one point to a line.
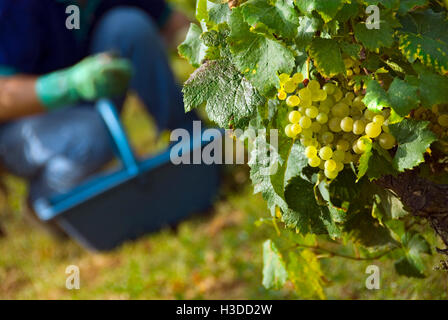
308	68
340	255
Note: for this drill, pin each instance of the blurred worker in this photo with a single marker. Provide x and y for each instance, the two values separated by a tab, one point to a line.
51	76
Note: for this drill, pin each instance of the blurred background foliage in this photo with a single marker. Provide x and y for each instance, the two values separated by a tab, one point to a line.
217	255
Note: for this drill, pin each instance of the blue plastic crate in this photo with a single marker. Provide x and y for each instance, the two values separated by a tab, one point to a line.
138	198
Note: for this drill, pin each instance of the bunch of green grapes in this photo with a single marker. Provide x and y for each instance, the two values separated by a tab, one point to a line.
352	67
332	124
437	117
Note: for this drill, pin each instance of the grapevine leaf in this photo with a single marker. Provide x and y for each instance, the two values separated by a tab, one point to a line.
307	28
274	269
411	264
408	5
217	12
352	49
374	39
349	10
403	97
365	158
227	94
432	87
379	164
388	4
193	48
327	9
413	139
391	204
427	23
257	56
376	97
327	57
278	16
306	275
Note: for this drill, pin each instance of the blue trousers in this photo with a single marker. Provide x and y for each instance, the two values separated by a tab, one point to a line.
56	151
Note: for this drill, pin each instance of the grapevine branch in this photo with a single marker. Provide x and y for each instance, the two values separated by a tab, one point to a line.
424	198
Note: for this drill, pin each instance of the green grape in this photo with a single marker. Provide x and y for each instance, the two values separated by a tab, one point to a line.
281	95
306	103
296	129
355	113
348	63
292	101
302	109
305	122
297	78
321	95
337	95
359	127
327	137
338	155
306	142
327	104
357	103
378	119
305	94
386	141
313	85
348	158
361	144
324	128
342	145
373	130
307	133
369	115
315	127
356	70
322	118
350	96
289	86
329	88
339	166
443	120
335	124
312	112
310	152
283	78
288	131
330	165
347	101
294	116
340	110
314	162
356	148
322	165
325	153
347	124
331	174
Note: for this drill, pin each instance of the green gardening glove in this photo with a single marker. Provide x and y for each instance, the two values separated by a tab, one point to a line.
99	76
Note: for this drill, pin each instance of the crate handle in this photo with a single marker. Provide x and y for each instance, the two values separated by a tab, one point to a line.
110	116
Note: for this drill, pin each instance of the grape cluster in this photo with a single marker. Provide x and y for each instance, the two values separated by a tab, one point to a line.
330	123
437	117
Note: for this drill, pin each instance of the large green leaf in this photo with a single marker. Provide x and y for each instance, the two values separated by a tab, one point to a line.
229	97
261	59
327	57
413	139
193	49
279	16
408	5
432	86
274	269
374	39
403	97
326	8
376	97
411	264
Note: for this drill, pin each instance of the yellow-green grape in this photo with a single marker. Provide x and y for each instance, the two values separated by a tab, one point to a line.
324	128
288	131
342	145
339	166
347	124
378	119
325	153
330	165
348	136
329	88
350	96
312	112
369	115
443	120
356	148
302	109
338	155
297	77
327	137
361	144
322	118
337	95
349	72
310	152
289	86
281	95
306	103
335	124
386	141
359	127
373	130
305	94
348	63
357	103
321	95
355	113
331	174
306	142
340	110
322	165
314	161
348	157
296	129
283	78
307	132
356	70
315	127
305	122
292	101
294	116
313	85
385	128
347	101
